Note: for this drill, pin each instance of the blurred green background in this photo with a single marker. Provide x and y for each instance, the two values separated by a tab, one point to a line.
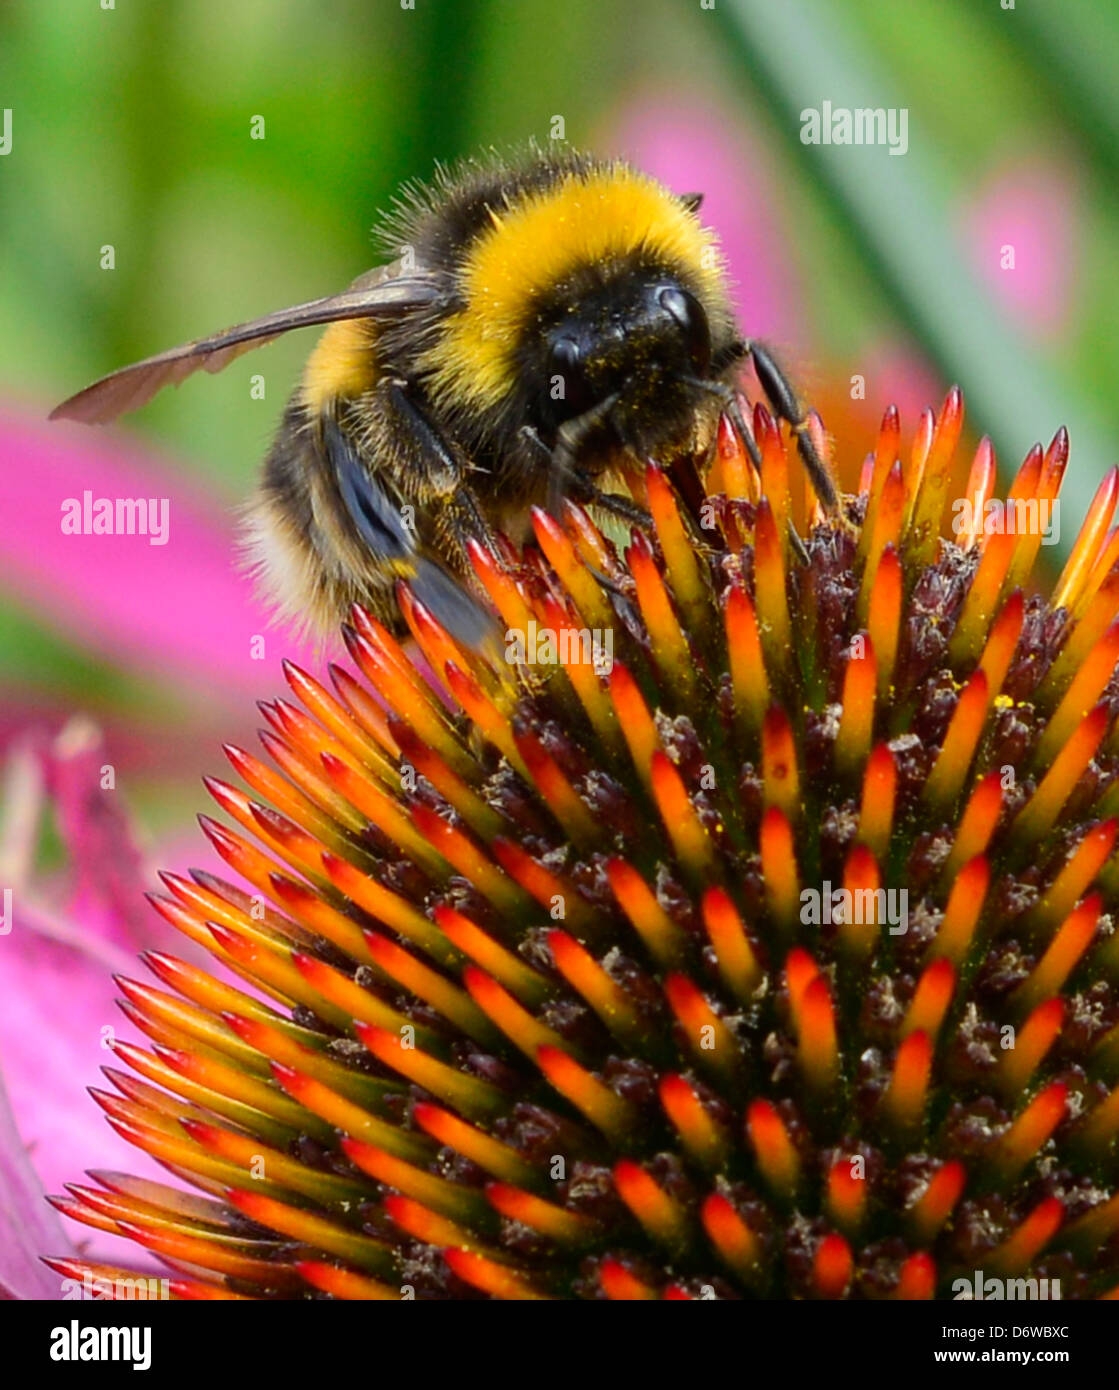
132	128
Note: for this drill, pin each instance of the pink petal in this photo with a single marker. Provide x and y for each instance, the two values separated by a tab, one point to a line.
1030	207
689	146
181	610
28	1226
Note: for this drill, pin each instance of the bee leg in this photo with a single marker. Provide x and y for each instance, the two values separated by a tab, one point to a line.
572	433
624	507
782	398
441	473
379	522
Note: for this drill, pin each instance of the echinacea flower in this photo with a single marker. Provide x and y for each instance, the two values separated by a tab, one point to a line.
554	982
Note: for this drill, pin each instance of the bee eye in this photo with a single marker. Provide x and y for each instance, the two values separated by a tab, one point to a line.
692	322
567	373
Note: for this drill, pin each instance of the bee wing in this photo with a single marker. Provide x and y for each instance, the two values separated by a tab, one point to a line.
383	293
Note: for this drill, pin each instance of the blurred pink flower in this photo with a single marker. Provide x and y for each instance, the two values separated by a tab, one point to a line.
1031	209
182	610
696	148
56	967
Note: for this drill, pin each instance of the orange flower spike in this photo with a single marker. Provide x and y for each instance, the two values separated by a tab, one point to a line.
686	831
936	1204
621	1285
386	907
496	1158
1108	559
769	591
443	1196
366	712
887	532
1072	882
1031	1131
737	962
1089	543
414	753
980	487
548	888
345	1284
433	640
710	1040
773	1148
589	539
1062	955
661	1215
917	1280
1023	1246
292	801
605	1109
861	878
517	977
1086	687
664	939
636	722
800	971
749	683
918	456
817	1050
846	1193
492	722
780	779
1096	618
931	999
557	793
1034	1039
775	472
856	723
1001	643
960	742
904	1101
588	978
498	1280
779	866
1038	513
876	810
928	506
961	916
670	648
832	1267
679	551
884	617
988	583
731	1236
383	810
500	586
550	1220
354	1119
578	657
577	579
885	456
1037	816
413	976
521	1027
977	824
703	1137
472	1097
739	477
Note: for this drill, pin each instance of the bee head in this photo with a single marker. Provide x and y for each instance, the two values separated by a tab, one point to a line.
635	340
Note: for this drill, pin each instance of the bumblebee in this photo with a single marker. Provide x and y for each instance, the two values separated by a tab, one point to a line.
545	324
